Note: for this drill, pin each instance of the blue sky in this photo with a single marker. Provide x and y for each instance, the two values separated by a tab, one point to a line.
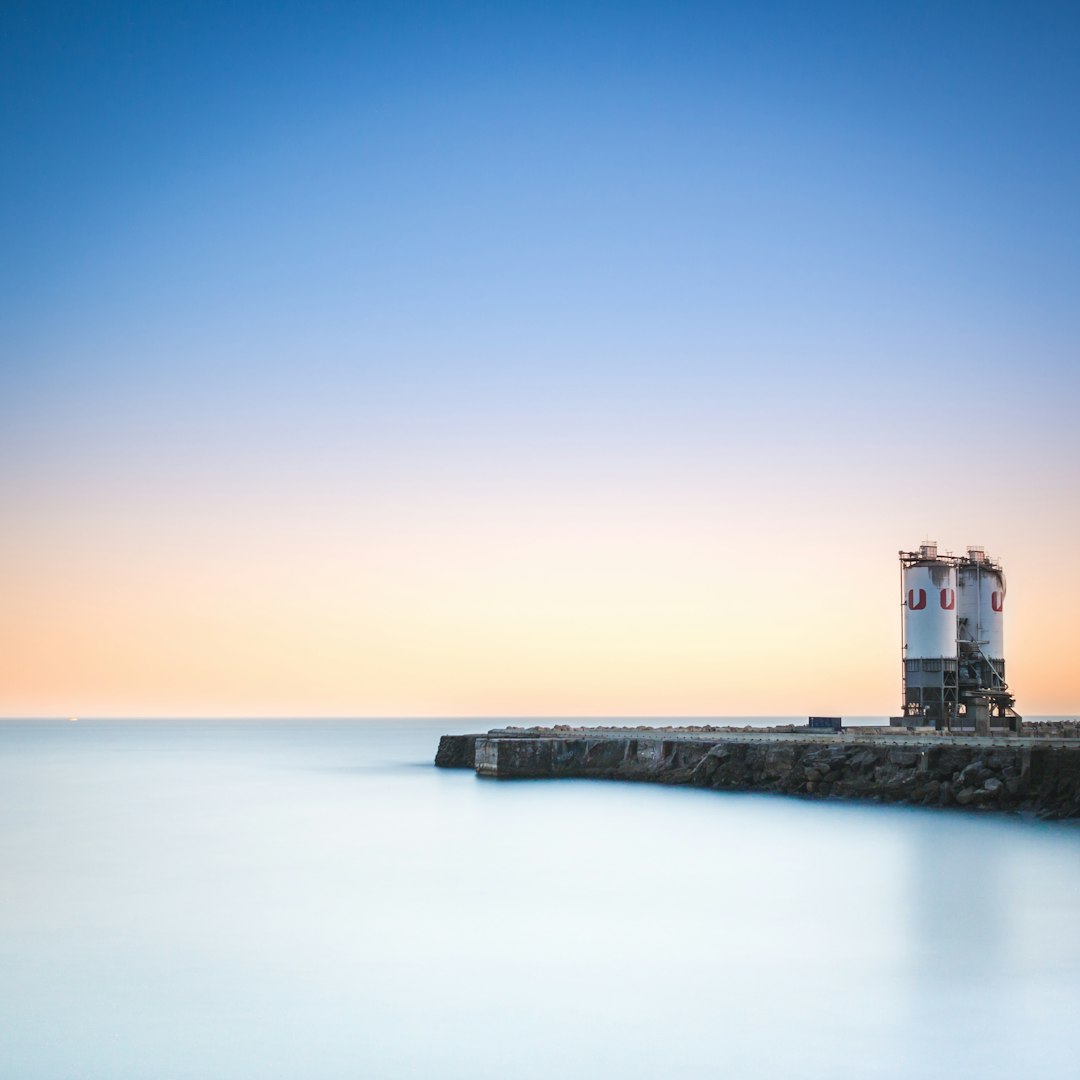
602	253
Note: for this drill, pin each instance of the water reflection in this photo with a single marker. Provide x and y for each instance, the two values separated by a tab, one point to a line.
958	911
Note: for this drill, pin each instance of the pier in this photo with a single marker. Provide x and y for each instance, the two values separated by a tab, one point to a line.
1032	773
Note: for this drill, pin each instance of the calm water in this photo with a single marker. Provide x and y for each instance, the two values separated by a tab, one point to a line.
312	899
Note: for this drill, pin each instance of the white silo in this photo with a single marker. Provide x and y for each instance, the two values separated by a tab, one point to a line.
928	584
930	610
954	640
980	615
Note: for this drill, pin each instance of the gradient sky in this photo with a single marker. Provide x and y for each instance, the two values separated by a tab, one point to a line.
529	359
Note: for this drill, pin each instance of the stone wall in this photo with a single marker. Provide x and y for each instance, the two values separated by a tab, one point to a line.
1043	779
456	752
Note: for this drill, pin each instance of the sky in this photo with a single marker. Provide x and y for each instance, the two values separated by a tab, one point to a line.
512	359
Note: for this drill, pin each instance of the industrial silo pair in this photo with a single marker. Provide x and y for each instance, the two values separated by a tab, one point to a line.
954	644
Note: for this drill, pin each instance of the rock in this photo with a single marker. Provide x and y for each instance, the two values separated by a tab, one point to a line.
456	752
973	774
780	759
965	795
992	786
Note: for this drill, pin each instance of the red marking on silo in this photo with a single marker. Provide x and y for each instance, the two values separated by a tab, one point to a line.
997	600
911	600
948	599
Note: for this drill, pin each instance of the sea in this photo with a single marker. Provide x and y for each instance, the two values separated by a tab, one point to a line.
234	899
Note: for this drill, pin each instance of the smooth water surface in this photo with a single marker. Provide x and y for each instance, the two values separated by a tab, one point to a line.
282	899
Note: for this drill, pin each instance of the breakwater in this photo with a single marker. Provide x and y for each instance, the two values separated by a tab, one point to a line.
1035	775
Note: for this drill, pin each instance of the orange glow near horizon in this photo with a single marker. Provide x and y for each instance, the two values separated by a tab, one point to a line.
556	605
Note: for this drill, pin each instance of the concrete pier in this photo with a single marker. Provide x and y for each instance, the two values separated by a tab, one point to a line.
1039	775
